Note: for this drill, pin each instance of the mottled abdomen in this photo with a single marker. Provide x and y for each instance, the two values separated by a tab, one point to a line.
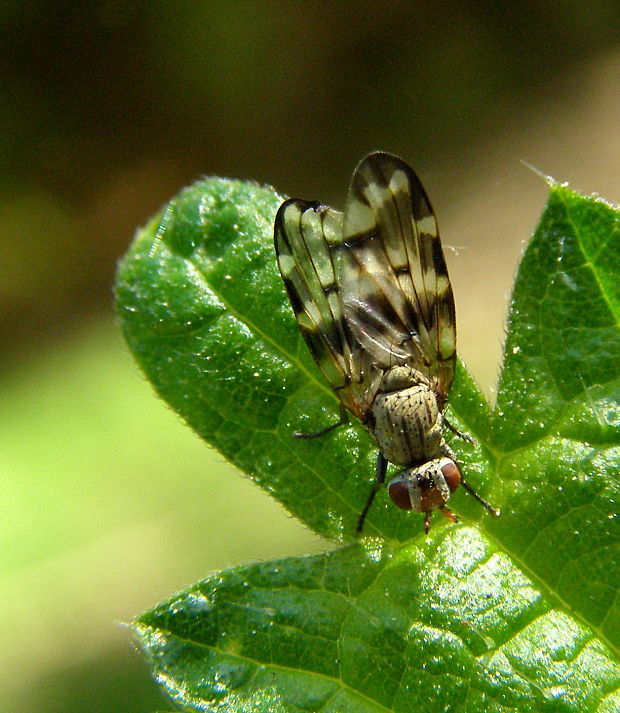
408	425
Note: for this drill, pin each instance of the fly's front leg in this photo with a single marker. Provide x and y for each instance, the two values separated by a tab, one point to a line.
379	480
486	505
315	434
460	434
449	453
427	522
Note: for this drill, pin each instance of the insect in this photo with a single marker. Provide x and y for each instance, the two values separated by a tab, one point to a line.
372	297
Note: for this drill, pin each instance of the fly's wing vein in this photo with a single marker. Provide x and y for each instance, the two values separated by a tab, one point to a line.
304	232
392	275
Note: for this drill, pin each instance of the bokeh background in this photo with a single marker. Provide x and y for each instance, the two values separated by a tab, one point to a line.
107	502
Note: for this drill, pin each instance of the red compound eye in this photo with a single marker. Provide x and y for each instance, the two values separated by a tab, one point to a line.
452	474
398	490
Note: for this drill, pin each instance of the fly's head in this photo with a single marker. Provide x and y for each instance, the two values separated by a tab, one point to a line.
426	487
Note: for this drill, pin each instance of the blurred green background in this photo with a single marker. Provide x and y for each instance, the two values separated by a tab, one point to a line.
107	502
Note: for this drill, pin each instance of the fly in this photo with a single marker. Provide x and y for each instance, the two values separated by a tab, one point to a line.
373	300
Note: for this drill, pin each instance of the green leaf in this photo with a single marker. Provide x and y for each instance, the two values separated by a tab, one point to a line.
516	613
445	624
556	428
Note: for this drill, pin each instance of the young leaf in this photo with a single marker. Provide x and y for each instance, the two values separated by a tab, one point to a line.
433	626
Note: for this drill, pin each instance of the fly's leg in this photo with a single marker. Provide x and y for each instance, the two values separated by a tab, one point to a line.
322	432
460	434
447	451
315	434
479	498
445	511
427	522
379	480
449	514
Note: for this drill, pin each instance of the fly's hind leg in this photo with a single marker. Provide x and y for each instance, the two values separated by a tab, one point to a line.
344	419
379	480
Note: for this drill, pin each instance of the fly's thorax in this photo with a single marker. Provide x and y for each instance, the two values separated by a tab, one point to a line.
426	487
398	378
408	424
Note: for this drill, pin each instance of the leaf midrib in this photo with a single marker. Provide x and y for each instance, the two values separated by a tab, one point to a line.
258	663
264	336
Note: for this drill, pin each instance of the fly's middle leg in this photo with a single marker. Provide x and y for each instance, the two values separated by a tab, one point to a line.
344	419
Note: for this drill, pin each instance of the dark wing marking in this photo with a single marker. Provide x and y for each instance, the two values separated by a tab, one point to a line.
303	235
392	274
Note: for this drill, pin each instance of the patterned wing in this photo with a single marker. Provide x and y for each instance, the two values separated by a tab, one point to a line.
392	275
305	234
